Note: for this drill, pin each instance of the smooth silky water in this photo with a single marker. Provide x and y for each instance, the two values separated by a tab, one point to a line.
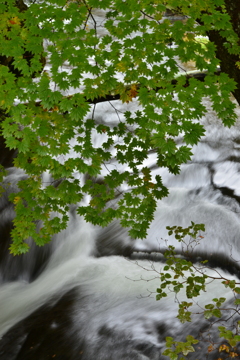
90	294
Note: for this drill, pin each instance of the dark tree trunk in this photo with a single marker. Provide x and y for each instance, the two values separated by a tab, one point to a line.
21	5
228	61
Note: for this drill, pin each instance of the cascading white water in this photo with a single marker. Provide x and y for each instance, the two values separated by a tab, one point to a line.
79	298
84	300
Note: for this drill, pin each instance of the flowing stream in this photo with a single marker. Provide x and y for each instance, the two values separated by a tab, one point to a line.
90	294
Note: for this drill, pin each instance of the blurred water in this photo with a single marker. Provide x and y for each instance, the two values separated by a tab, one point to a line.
90	294
110	300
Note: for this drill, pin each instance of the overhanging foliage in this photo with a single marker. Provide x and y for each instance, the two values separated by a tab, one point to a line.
129	54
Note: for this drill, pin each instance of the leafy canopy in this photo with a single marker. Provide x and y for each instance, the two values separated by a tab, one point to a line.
128	55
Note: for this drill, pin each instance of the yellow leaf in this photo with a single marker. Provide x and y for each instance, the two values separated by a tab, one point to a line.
224	348
16	199
233	354
132	93
14	20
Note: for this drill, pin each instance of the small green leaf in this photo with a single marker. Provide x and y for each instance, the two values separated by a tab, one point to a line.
208	314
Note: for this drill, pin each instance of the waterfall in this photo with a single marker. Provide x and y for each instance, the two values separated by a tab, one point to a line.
90	293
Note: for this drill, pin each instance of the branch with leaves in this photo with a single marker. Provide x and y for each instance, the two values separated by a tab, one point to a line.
125	54
181	276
